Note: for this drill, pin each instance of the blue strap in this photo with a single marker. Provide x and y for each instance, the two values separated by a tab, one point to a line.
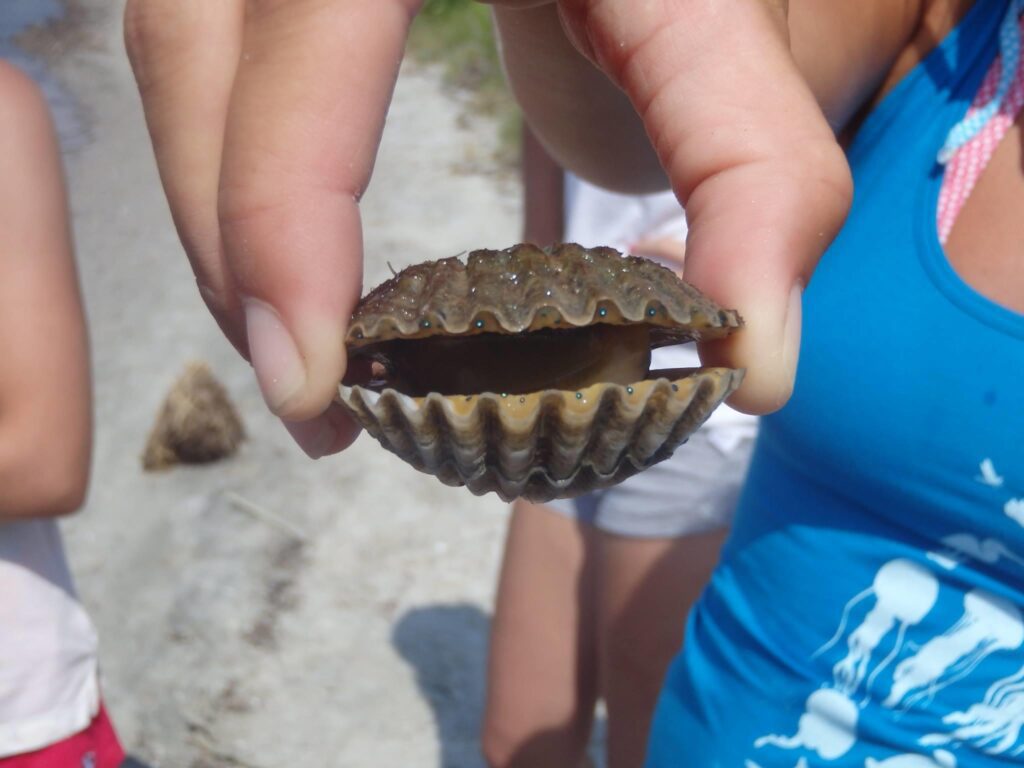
1009	53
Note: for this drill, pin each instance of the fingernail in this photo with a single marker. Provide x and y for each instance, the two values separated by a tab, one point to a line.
279	366
317	437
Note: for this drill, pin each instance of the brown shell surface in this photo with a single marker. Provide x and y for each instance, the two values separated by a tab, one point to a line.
524	288
544	445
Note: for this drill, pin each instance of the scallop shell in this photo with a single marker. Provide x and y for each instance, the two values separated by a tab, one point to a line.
551	443
524	288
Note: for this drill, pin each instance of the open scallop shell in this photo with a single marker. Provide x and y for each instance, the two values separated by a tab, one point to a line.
552	442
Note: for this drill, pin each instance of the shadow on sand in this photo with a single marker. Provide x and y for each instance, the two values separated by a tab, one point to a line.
447	647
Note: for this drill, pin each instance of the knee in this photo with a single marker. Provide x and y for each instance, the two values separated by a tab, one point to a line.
498	743
506	746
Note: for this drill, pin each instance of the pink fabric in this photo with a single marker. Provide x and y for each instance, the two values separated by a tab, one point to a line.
965	167
95	747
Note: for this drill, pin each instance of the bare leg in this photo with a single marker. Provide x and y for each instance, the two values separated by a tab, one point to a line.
542	671
645	589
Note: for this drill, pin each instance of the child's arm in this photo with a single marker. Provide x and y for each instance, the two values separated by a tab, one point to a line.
45	398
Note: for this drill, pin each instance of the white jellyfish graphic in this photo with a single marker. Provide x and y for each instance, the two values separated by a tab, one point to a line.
1014	509
940	759
904	593
961	547
995	725
989	624
828	726
988	475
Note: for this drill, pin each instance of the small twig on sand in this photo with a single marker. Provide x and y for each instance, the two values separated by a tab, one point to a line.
201	736
240	502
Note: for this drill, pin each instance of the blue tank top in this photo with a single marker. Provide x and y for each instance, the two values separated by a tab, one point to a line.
868	607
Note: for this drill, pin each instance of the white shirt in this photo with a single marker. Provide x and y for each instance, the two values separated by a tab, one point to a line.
48	667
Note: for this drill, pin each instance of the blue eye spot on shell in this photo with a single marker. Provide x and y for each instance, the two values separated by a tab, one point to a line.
425	323
651	312
479	323
675	387
579	395
629	390
602	312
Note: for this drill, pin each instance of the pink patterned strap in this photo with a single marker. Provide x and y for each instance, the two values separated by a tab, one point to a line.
965	167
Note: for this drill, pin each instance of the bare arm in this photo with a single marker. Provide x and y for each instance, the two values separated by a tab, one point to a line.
45	399
846	48
843	49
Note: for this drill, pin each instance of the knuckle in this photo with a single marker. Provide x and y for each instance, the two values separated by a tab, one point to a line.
302	8
826	167
250	194
238	205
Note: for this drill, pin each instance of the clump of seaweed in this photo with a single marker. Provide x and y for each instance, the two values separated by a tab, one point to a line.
197	423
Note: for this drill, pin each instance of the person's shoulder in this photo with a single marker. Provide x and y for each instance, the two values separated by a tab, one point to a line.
935	19
849	50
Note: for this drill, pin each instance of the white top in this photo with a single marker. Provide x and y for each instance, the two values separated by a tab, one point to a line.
48	667
595	217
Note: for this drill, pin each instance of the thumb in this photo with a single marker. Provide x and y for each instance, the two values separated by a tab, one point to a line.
757	233
748	152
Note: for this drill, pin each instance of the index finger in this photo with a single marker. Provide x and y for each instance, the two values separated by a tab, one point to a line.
305	119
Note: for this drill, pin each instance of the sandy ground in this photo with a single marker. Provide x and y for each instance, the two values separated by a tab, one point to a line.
354	634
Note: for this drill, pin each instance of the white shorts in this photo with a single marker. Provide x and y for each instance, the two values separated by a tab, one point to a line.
693	491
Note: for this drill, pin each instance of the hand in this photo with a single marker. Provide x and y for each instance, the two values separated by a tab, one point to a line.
735	128
265	117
